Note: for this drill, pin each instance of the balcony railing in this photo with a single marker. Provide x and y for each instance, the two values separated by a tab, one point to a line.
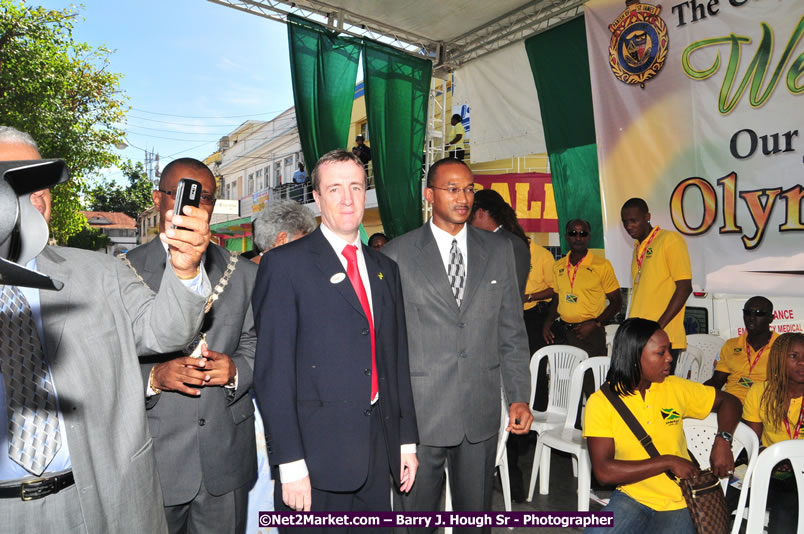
303	193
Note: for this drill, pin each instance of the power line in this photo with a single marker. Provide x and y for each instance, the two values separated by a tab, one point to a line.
180	123
132	132
276	122
205	117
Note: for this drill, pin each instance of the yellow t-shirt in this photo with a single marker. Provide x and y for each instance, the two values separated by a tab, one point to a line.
455	130
660	413
586	298
734	358
753	414
666	262
541	272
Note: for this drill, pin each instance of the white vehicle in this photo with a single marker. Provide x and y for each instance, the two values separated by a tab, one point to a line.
722	314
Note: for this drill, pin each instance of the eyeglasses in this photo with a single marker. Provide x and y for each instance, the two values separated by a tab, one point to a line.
582	233
205	198
468	191
756	312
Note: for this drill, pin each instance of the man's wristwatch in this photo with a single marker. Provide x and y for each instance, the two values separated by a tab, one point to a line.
725	435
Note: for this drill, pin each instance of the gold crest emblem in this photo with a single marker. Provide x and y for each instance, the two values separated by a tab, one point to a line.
639	43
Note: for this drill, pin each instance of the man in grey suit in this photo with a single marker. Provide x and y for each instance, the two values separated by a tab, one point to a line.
466	336
203	436
102	476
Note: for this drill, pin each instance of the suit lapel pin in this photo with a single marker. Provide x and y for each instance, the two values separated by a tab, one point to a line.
379	276
337	278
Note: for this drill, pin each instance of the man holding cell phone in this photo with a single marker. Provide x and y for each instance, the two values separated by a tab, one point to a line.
198	408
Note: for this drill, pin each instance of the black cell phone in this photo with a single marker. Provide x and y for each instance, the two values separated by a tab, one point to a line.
188	193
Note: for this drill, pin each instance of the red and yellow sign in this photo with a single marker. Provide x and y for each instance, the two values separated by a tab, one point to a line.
531	196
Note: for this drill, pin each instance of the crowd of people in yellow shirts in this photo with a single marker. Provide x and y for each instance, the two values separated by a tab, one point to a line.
759	375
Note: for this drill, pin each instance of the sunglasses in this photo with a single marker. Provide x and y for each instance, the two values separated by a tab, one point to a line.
756	312
582	233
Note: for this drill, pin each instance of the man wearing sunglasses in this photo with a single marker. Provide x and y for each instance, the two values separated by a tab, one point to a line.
582	281
744	359
199	411
661	275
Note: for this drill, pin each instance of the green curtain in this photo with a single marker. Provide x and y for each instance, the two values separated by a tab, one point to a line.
559	62
397	88
323	68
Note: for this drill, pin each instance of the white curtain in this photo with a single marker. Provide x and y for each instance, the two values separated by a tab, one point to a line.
504	108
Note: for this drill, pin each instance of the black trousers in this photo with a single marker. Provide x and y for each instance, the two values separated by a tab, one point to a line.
373	496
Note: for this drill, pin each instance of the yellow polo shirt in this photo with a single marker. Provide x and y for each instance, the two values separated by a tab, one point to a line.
586	299
455	130
753	413
666	262
734	362
660	413
541	272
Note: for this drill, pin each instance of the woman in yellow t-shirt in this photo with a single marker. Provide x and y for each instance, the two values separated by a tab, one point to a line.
646	499
775	411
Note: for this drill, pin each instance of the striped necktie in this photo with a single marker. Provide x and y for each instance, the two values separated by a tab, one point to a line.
456	272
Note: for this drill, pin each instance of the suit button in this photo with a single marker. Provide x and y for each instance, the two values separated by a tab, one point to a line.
463	354
367	372
365	331
461	325
202	422
367	412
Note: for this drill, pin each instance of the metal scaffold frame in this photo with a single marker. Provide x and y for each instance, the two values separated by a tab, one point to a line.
531	18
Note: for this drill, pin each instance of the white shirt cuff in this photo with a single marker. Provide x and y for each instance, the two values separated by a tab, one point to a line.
199	285
407	448
293	471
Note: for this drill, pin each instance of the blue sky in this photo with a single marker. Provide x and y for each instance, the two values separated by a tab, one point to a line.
192	70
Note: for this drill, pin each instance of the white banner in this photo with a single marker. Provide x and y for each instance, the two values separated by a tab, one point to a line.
699	110
499	88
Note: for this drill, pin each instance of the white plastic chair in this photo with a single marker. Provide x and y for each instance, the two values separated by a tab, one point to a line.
502	455
792	450
689	364
700	434
611	329
709	346
561	360
569	439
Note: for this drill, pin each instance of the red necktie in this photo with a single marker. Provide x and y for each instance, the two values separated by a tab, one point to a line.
350	253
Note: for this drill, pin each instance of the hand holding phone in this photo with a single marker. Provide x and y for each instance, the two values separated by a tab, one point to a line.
188	193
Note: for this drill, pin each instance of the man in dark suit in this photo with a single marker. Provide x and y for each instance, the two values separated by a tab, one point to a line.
203	436
331	374
467	339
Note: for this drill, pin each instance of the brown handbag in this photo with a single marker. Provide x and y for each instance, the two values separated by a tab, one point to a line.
706	501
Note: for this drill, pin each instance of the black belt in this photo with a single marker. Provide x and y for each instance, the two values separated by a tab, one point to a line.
570	326
38	487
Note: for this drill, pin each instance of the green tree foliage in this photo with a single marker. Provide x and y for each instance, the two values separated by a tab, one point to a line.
62	93
88	238
131	200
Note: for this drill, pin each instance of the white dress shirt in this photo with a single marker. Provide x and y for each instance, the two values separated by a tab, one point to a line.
444	241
